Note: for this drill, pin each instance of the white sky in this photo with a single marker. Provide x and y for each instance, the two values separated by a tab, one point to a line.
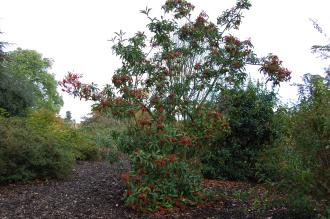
75	34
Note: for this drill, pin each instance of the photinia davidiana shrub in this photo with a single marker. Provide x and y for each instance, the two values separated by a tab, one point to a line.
167	79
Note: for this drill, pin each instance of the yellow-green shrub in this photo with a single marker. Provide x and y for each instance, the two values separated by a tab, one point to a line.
40	145
45	121
25	154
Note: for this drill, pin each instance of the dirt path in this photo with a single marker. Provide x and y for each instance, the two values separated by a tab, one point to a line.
94	190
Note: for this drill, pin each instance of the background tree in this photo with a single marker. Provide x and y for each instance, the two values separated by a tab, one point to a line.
68	116
322	50
29	66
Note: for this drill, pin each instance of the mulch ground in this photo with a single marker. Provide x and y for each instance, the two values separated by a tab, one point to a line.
95	190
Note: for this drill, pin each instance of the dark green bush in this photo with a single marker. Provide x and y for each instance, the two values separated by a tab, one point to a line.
280	151
250	113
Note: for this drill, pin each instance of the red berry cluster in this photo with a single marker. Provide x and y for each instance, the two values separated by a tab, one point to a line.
118	80
272	67
232	40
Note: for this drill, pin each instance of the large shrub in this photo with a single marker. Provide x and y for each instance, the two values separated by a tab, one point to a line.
165	84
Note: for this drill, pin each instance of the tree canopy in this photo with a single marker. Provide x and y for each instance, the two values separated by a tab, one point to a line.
26	82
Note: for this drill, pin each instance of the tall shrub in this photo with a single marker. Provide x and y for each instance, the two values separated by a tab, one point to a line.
166	81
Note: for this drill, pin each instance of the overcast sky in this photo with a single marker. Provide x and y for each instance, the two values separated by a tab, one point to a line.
75	34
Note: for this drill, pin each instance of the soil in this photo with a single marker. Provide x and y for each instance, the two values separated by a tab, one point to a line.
95	190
